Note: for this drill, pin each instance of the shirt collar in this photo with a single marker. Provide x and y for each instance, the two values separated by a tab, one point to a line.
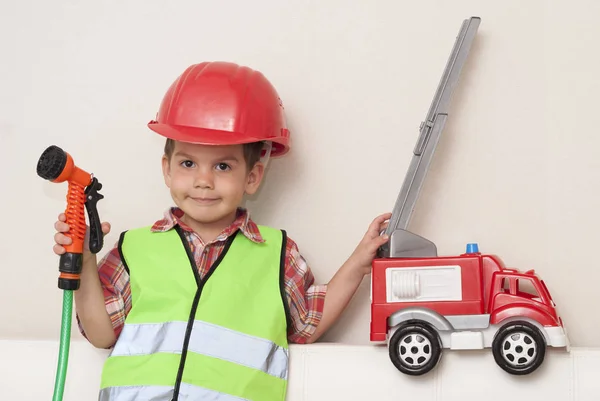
243	222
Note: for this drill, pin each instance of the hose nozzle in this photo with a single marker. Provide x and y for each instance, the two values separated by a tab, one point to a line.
51	163
57	166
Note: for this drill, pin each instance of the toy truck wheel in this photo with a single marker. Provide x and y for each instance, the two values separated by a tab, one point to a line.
415	348
519	348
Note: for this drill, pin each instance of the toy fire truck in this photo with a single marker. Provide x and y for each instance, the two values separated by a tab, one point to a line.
422	303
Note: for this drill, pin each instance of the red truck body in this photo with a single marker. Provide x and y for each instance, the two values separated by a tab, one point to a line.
487	287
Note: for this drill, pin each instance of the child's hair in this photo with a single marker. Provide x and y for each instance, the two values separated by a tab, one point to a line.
252	152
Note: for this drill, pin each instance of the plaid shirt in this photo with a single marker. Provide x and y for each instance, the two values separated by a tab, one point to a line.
305	299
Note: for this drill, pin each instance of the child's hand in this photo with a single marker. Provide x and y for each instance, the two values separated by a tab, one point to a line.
363	255
346	280
61	239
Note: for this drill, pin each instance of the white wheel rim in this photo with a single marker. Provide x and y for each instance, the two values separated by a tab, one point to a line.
414	350
519	349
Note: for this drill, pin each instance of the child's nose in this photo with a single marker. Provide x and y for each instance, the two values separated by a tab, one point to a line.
204	179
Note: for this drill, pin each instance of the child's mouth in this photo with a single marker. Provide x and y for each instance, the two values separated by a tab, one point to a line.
206	201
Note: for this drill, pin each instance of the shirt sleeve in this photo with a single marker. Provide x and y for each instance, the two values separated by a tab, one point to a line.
114	280
305	299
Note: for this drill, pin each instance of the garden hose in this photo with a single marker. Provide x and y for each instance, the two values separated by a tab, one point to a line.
57	166
65	341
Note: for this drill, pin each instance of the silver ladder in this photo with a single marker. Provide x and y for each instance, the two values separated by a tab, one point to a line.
403	243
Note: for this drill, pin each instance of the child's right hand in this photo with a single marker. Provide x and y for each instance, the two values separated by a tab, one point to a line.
61	239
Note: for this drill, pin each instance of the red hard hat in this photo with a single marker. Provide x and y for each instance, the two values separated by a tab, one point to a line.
221	103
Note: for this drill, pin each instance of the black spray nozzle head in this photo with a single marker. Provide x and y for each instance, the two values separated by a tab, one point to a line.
51	163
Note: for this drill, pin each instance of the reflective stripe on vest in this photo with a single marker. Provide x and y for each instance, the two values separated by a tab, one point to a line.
237	346
163	393
206	339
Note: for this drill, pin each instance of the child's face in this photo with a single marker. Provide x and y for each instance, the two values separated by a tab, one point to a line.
208	182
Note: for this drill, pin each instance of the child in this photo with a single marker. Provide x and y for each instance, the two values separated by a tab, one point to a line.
203	304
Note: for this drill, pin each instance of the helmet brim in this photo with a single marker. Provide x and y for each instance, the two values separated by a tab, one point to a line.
203	136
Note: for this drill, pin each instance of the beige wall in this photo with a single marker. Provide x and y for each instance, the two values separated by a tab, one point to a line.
516	170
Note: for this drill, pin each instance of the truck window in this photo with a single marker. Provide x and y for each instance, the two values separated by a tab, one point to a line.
526	288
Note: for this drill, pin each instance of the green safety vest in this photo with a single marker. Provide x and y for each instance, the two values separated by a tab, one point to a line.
223	338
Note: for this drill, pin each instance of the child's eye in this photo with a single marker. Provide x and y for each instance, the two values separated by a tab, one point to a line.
187	163
223	167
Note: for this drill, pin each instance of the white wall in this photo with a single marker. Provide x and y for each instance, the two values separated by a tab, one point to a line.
516	170
323	372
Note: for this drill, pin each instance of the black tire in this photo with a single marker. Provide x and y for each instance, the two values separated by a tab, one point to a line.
519	348
415	340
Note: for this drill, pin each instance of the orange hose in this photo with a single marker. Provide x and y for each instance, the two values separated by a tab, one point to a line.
69	276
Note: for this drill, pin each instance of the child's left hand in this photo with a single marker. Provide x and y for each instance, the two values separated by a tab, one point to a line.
344	283
363	255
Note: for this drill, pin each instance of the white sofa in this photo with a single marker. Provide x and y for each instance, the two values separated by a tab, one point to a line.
328	372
